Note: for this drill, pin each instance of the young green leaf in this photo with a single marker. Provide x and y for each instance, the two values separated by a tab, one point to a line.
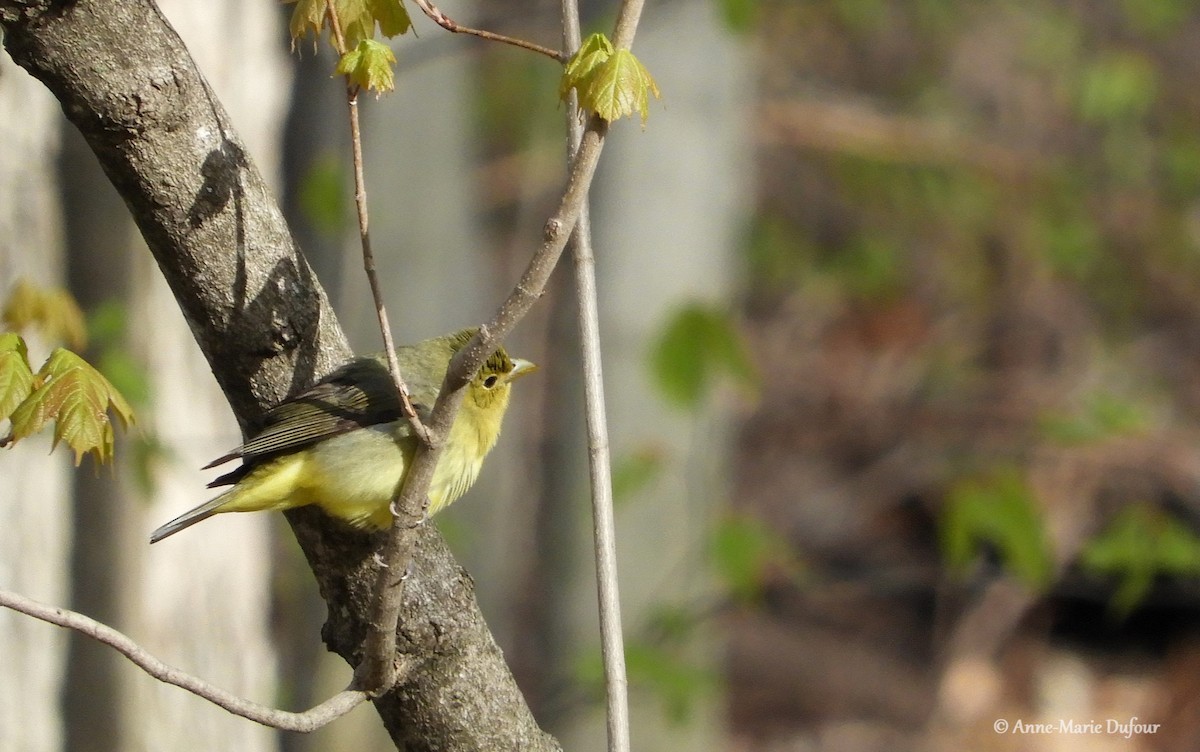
358	25
634	472
611	83
16	377
77	398
578	72
369	65
356	17
620	87
391	15
309	15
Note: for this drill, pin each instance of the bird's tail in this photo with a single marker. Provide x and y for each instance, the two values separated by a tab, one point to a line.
189	518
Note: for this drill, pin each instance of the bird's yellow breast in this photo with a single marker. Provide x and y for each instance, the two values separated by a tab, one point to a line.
355	476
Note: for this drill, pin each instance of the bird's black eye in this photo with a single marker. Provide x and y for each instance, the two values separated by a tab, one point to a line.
490	381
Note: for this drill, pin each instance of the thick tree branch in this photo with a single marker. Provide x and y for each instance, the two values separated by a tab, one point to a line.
310	720
126	81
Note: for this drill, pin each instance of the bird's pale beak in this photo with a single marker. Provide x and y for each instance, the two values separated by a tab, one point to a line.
520	368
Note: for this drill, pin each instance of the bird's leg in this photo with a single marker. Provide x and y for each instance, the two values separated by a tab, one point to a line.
424	512
408	570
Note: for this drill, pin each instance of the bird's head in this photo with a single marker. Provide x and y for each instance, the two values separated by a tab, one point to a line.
491	385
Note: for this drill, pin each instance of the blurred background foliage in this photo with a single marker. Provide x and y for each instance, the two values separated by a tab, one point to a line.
971	284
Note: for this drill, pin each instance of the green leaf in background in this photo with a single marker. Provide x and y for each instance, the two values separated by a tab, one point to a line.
1140	543
634	471
869	267
107	326
998	509
323	198
1182	164
16	376
676	681
739	15
778	256
1067	235
146	454
1118	86
1103	415
746	552
659	669
861	16
672	623
1157	16
51	310
369	66
698	344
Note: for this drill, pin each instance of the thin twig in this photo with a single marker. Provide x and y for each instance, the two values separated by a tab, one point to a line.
626	24
612	640
378	670
310	720
449	24
360	202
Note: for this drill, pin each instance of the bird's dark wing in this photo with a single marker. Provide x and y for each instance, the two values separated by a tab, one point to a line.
357	395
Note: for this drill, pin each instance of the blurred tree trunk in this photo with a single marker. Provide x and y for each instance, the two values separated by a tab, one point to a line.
34	493
105	555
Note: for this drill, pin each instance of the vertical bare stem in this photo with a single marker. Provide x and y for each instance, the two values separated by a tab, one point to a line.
612	641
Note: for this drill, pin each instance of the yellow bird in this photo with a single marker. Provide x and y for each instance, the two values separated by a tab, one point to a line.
345	446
